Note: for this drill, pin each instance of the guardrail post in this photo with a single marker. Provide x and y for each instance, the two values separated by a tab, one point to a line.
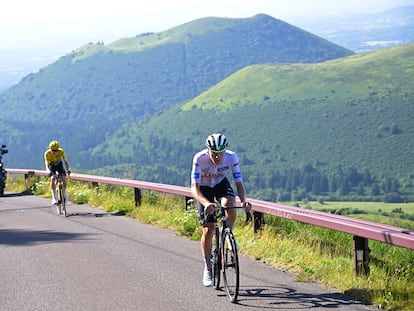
188	203
361	256
258	221
137	196
26	178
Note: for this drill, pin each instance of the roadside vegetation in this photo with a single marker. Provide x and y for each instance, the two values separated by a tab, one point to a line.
313	254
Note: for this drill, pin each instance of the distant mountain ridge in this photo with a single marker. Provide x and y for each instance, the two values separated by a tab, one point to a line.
346	116
363	32
88	94
359	32
140	107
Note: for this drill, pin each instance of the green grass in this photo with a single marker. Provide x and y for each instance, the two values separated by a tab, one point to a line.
394	214
370	207
314	254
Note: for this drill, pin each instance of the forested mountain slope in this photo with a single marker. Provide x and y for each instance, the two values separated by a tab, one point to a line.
343	126
88	94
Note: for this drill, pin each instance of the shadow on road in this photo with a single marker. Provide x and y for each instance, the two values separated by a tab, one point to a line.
283	298
16	194
96	215
18	237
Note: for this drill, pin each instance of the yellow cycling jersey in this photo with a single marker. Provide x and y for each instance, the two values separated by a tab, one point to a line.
53	158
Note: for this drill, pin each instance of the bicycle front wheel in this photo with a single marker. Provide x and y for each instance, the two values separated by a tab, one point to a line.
216	260
230	265
57	204
63	204
60	199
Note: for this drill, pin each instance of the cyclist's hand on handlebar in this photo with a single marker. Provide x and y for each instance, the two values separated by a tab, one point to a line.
247	206
68	172
209	209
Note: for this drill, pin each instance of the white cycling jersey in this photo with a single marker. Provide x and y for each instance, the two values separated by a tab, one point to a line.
206	173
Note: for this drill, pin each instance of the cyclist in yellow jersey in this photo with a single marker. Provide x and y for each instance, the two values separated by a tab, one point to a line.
54	158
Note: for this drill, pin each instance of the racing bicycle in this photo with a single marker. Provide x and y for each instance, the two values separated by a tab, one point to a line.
60	192
225	260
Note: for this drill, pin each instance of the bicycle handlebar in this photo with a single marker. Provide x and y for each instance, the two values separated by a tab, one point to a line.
219	207
67	174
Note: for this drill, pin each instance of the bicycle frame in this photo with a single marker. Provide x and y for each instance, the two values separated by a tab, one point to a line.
61	205
224	256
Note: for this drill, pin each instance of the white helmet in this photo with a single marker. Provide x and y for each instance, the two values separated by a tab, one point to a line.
216	142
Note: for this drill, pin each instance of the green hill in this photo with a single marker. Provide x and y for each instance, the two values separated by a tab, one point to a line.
88	94
307	117
346	121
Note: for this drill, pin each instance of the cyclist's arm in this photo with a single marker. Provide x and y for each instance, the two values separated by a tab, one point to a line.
67	165
209	207
65	160
47	162
241	192
198	196
195	182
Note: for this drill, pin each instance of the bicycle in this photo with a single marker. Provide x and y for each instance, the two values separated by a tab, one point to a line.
60	192
225	257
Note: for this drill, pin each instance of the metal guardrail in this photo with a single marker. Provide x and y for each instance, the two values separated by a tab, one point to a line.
361	230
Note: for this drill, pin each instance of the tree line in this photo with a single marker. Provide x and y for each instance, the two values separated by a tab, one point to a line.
308	182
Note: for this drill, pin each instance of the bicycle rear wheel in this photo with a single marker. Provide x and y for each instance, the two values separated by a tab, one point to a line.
230	265
216	260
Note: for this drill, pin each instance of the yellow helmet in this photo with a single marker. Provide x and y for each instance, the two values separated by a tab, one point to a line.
54	145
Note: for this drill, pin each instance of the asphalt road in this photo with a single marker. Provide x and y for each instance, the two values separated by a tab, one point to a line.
94	260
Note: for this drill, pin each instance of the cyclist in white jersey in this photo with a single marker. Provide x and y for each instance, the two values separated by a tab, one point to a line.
209	184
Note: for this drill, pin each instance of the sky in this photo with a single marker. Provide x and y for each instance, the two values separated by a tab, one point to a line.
27	21
48	29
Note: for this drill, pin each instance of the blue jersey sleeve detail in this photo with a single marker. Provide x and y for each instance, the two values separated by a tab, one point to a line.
237	176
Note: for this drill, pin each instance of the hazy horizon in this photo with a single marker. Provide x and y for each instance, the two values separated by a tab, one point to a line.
43	32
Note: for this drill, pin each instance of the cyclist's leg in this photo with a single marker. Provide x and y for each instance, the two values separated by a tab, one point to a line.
64	181
208	230
227	198
207	234
231	214
207	243
53	185
62	173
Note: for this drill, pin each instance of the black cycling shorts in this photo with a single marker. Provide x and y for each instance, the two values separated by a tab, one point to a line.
219	191
57	168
